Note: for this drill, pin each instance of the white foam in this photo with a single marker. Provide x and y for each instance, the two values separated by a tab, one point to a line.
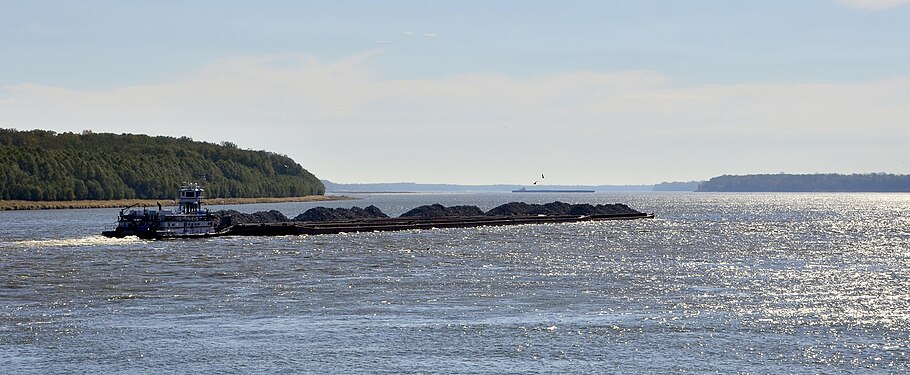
95	240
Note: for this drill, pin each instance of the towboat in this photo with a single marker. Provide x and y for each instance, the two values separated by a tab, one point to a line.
188	220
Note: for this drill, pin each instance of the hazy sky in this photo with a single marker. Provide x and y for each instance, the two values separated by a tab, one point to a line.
587	92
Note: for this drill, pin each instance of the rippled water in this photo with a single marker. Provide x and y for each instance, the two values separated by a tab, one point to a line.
754	283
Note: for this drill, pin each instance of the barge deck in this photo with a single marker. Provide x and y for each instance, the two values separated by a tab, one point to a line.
399	224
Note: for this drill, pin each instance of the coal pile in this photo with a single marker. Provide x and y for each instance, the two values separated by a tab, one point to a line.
433	211
522	208
559	209
226	218
601	209
353	213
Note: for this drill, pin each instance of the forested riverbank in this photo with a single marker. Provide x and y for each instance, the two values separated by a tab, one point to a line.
829	182
8	205
40	165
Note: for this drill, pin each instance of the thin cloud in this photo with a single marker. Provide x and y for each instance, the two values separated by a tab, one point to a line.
330	114
873	4
426	34
38	30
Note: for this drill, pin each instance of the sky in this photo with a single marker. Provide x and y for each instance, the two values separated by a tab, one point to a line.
479	92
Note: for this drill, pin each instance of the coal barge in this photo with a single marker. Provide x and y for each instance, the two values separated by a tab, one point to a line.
190	220
399	224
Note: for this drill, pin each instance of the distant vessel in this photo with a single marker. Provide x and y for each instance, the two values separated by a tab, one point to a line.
526	190
188	221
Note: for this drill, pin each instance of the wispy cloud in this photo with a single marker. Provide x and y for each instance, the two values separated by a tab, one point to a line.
333	114
873	4
424	34
37	29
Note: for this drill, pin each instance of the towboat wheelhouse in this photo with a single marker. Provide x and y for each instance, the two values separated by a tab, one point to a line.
188	220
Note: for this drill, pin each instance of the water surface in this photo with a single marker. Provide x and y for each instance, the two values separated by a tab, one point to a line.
755	283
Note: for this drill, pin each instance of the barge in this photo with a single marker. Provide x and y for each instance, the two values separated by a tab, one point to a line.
190	220
399	224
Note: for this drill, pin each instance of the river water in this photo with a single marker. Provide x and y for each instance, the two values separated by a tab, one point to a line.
751	283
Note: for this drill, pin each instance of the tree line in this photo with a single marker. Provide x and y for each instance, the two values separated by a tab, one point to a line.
44	165
870	182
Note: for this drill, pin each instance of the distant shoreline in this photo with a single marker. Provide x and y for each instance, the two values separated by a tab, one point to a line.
14	205
377	192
